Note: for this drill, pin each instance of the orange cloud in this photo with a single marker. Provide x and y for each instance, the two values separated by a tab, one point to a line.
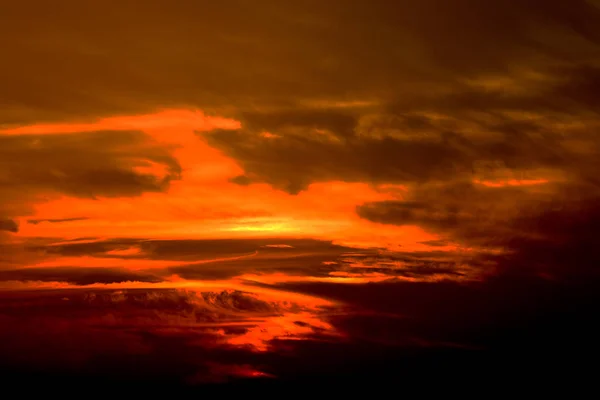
204	202
511	182
174	119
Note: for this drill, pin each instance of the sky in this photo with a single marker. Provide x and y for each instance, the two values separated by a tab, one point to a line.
204	193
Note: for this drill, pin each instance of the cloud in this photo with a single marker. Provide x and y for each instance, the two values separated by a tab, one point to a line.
419	146
533	236
490	108
415	266
9	225
477	314
180	335
191	259
294	161
191	249
55	220
484	113
75	275
471	210
382	50
361	110
85	165
435	243
464	210
289	262
88	165
87	247
558	244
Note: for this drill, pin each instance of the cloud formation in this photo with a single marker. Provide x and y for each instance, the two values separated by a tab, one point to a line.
400	175
55	220
78	275
8	225
382	50
180	335
86	164
39	167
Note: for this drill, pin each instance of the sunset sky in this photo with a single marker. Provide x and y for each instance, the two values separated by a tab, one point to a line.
198	192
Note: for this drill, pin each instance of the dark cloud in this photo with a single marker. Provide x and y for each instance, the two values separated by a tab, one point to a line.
407	329
215	248
9	225
241	180
558	243
544	234
416	148
511	105
55	220
408	91
499	314
37	167
533	297
85	247
545	250
202	258
169	336
75	275
290	263
478	213
294	161
190	53
463	209
84	164
192	249
435	243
